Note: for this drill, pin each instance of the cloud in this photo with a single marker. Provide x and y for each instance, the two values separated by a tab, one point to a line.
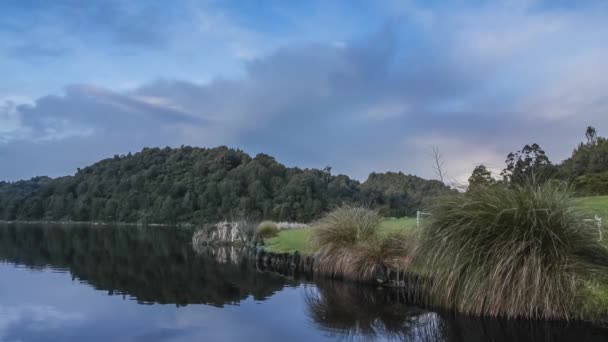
477	82
35	317
29	51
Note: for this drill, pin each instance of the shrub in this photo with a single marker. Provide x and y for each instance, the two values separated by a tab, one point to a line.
350	245
514	251
591	184
267	229
345	226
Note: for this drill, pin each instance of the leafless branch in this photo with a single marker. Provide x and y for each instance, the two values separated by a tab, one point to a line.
439	163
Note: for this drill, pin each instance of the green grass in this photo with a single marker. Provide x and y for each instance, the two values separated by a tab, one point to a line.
594	295
299	239
351	245
291	240
596	205
517	251
395	225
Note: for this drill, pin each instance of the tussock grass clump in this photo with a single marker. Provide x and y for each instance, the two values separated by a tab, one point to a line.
351	247
267	229
513	251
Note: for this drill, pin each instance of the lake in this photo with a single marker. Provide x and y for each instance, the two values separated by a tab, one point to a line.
81	283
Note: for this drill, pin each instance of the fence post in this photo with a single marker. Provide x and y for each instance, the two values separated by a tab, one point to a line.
598	220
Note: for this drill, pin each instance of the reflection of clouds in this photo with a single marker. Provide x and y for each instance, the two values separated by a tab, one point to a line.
35	317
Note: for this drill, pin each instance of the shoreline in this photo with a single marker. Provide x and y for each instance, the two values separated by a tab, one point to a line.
96	223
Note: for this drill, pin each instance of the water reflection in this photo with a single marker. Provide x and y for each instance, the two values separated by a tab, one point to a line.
350	312
151	265
160	266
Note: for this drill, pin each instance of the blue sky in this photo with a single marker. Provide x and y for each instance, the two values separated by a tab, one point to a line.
359	85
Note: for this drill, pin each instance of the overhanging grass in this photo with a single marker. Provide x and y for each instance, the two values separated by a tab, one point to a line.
514	251
351	246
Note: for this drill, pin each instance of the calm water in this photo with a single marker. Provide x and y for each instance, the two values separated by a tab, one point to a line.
132	284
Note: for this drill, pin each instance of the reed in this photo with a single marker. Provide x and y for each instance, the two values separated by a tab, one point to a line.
267	229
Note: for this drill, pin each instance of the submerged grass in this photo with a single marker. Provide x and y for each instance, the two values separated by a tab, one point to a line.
516	251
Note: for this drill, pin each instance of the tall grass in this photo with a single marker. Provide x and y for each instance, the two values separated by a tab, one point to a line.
351	247
513	251
267	229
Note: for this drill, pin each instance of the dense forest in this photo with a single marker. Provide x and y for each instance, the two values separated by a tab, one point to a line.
197	185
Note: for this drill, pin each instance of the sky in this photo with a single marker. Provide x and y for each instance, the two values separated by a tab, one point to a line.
360	86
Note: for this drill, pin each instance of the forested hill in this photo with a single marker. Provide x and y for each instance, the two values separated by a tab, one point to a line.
190	184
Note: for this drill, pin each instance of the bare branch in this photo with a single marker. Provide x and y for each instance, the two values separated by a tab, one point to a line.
439	163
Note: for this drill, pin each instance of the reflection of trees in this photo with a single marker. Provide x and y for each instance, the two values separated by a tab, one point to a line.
359	312
153	265
351	312
159	265
459	328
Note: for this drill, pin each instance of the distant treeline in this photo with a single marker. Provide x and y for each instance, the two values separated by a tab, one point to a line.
586	169
197	185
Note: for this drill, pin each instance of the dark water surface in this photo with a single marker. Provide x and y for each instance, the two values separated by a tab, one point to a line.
61	283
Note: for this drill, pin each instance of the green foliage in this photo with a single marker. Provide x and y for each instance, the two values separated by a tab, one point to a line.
587	168
350	245
267	229
530	162
590	157
346	226
521	250
199	185
397	195
481	176
591	184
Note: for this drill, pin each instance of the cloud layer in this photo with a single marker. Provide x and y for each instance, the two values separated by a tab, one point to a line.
476	82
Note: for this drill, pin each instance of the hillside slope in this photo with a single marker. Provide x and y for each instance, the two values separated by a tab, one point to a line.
190	184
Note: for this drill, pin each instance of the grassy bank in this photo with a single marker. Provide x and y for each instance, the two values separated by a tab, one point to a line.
299	239
596	205
516	258
292	240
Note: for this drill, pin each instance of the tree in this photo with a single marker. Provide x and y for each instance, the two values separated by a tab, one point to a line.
587	168
530	162
327	173
591	135
201	185
481	176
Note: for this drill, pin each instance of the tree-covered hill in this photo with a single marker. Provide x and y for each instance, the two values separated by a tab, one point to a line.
190	184
588	165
